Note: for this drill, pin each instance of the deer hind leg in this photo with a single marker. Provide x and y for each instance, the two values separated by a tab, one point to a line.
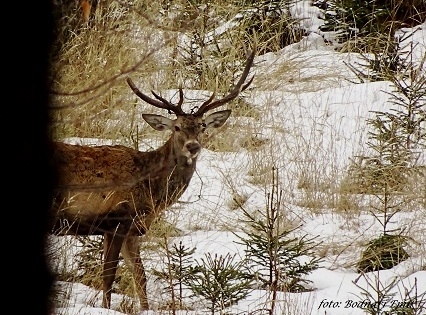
112	247
130	252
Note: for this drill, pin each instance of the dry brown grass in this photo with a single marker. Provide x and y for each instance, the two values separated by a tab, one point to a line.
88	70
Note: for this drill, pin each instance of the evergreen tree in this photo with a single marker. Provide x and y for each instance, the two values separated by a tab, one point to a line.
176	272
355	19
396	141
221	280
272	252
398	136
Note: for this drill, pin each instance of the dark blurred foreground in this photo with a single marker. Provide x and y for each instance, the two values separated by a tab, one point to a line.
26	40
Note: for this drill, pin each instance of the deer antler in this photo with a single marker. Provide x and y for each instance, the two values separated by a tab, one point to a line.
161	103
239	87
207	105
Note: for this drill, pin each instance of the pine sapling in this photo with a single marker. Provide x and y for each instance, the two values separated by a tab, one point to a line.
177	271
274	255
222	280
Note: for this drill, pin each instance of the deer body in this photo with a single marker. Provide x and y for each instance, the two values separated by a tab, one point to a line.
114	184
117	186
118	192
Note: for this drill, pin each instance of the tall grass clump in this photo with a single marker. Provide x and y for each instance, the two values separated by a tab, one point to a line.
89	62
216	35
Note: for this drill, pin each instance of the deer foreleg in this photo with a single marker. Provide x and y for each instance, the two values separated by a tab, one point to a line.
132	258
112	247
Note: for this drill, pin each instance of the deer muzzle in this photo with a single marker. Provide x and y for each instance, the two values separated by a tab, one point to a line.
191	149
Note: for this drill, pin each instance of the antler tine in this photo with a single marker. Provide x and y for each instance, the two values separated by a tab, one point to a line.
239	87
180	98
209	100
162	103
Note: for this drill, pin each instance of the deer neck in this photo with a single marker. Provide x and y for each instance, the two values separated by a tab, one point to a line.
168	176
174	157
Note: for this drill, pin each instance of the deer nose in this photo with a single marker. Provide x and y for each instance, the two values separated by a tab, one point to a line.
193	147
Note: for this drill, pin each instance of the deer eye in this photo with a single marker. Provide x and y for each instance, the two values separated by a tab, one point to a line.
177	128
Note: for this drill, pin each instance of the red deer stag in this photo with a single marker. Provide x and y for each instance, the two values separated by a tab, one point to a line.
116	191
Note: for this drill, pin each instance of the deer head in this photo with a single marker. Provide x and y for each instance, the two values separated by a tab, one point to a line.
187	128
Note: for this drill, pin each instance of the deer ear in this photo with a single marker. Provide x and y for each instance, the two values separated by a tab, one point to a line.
158	122
217	119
